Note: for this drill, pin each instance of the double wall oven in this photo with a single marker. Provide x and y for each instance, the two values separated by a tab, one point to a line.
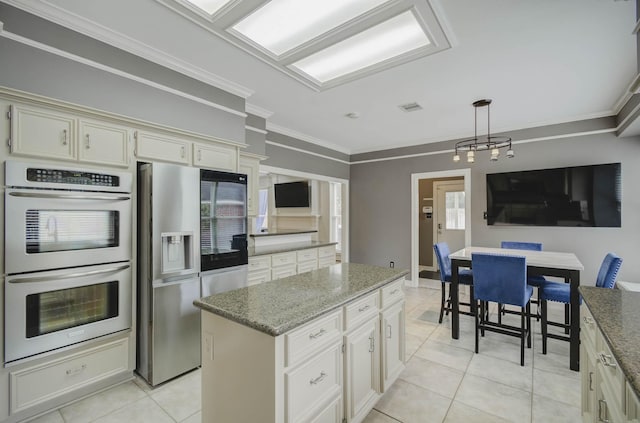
67	256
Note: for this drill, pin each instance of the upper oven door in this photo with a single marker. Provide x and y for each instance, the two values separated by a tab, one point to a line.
47	229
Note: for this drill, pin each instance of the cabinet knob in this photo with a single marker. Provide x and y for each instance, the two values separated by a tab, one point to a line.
64	137
88	145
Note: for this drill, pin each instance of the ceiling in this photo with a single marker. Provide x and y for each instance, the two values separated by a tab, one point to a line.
541	62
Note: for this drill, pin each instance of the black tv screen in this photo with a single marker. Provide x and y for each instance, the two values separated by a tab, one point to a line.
570	196
292	194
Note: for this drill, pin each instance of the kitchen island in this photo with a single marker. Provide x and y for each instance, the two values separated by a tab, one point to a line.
610	333
320	345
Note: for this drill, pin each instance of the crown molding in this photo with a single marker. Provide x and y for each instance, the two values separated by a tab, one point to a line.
301	150
94	30
258	111
254	129
308	138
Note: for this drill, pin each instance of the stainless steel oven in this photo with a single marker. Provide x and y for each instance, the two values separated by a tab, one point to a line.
62	217
67	256
53	309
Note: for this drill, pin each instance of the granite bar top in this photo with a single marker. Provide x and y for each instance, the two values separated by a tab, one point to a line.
262	234
617	314
278	306
289	246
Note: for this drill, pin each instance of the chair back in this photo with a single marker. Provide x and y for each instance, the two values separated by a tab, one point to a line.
516	245
444	263
500	278
608	271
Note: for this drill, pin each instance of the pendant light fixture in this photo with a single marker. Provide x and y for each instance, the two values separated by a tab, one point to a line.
490	143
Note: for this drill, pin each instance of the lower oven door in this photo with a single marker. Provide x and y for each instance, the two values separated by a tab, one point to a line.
49	310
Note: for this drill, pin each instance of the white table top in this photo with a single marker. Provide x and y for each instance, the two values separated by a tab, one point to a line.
549	259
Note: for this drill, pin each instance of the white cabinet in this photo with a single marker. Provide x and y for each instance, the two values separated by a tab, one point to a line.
267	267
362	369
283	265
259	269
221	157
250	166
35	385
103	143
326	255
53	135
42	133
606	394
392	343
162	147
307	260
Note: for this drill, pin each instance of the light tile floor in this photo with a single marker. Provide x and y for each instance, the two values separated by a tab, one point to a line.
444	380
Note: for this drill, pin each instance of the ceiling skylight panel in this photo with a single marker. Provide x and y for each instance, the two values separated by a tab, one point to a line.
382	42
209	6
281	25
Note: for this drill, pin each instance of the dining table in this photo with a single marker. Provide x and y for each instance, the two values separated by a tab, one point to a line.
542	263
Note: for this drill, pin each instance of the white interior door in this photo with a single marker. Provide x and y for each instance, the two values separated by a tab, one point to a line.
449	219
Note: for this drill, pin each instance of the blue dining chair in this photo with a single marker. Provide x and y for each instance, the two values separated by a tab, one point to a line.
535	280
561	292
465	277
502	279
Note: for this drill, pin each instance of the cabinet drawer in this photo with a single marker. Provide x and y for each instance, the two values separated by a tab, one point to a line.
259	276
612	380
221	157
283	271
103	143
282	259
361	310
313	384
588	328
306	255
259	263
307	266
332	413
326	261
392	293
159	147
37	384
327	251
311	338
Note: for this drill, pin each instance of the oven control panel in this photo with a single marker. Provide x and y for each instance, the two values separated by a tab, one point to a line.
59	176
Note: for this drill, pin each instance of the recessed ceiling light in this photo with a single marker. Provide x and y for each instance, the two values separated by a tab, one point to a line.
394	37
209	6
281	25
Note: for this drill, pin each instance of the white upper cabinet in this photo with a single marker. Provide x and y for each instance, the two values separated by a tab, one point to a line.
42	133
161	147
103	143
220	157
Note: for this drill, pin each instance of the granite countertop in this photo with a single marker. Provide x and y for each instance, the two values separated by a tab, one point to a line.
617	314
289	246
278	306
292	232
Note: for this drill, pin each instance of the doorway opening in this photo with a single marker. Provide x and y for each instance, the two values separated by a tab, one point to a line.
440	211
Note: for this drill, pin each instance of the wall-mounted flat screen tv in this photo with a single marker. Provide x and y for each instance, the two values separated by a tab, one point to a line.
292	194
569	196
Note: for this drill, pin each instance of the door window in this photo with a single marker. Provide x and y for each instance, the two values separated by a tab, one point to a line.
454	206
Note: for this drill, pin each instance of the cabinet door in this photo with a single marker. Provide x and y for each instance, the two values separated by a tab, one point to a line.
392	344
160	147
221	157
42	133
103	143
362	370
250	167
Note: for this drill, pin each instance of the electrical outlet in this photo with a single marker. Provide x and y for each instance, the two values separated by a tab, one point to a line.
208	345
392	264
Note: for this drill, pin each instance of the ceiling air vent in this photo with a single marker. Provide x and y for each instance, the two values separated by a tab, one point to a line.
410	107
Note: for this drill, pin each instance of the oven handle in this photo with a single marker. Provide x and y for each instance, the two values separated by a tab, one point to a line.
68	196
71	275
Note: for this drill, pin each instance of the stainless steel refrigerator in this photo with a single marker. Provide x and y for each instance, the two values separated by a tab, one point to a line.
168	271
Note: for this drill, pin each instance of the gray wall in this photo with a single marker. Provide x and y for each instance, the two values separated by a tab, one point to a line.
381	203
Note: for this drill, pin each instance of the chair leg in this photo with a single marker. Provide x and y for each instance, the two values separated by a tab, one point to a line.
528	325
566	318
483	317
442	302
500	313
477	322
522	334
543	309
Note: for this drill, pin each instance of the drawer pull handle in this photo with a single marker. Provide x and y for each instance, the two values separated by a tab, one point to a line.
318	379
64	137
394	292
88	145
71	372
372	343
389	331
602	409
361	309
607	360
182	151
588	320
590	381
317	334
